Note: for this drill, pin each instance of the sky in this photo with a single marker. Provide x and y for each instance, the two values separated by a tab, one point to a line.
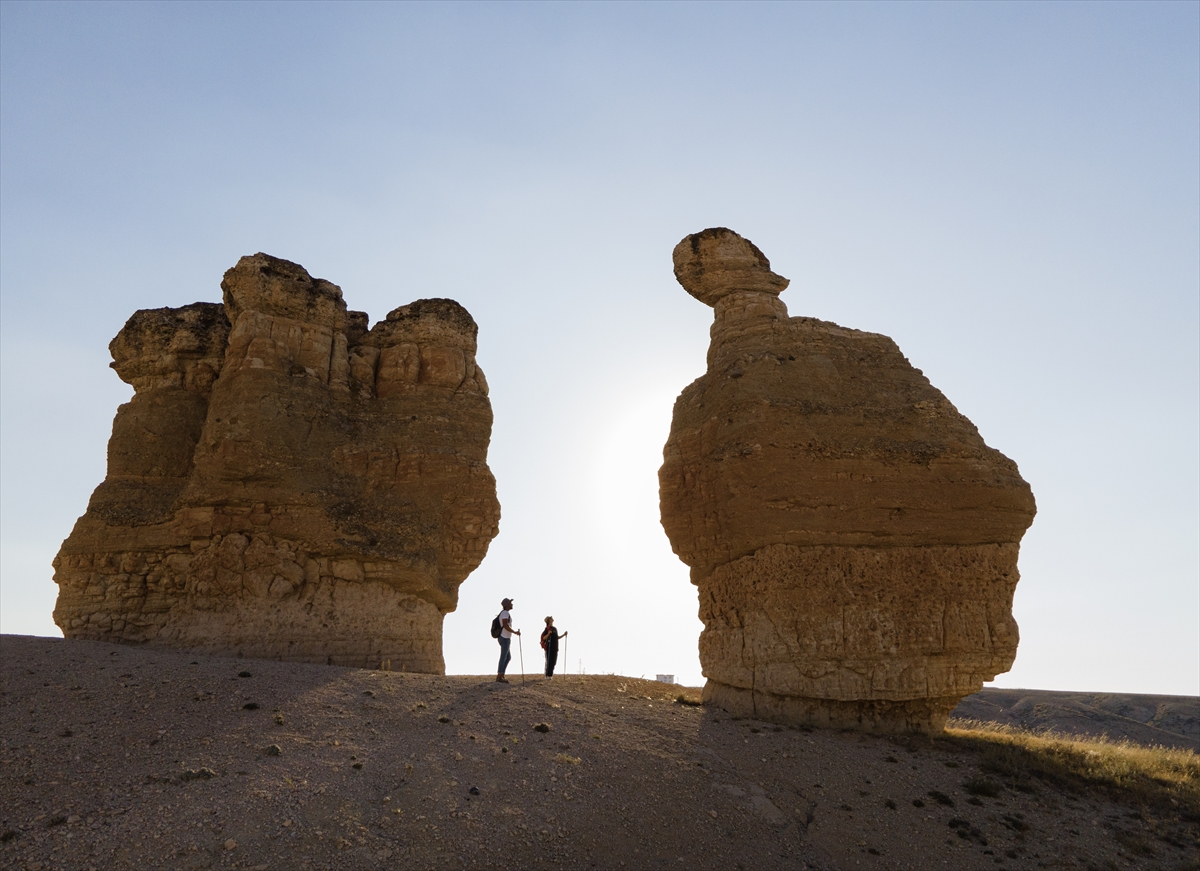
1010	191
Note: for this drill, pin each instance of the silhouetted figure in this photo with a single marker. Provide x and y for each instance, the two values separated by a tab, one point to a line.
550	638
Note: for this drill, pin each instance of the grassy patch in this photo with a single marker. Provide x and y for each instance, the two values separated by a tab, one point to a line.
1161	777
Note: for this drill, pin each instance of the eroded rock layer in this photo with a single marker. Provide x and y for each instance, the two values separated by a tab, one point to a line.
286	483
853	538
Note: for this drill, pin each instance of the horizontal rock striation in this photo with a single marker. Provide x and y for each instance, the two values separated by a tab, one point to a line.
286	483
853	538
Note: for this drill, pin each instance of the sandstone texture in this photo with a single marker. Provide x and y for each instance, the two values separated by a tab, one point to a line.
285	483
853	538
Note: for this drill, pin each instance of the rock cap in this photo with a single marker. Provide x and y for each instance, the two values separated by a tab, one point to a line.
437	321
716	262
448	310
281	288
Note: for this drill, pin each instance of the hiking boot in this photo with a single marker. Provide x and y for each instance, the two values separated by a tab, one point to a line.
501	679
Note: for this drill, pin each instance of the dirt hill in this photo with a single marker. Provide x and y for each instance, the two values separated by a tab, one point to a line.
130	758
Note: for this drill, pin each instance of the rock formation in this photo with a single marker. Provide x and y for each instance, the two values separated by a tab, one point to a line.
286	483
853	539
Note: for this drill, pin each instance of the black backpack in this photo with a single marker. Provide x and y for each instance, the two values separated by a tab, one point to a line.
496	627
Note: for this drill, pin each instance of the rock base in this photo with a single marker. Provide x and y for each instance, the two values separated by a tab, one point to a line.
926	716
861	624
334	622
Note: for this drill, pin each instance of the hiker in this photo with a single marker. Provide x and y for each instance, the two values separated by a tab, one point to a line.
550	638
505	639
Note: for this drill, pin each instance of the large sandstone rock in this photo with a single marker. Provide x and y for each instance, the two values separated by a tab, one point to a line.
286	483
853	539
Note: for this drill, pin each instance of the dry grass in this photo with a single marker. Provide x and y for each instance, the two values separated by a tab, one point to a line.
1160	777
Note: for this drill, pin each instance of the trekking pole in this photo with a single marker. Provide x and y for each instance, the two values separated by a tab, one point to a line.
567	656
521	650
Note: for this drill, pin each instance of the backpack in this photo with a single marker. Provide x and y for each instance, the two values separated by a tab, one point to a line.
496	627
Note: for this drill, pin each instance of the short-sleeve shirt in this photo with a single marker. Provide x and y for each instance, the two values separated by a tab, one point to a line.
504	615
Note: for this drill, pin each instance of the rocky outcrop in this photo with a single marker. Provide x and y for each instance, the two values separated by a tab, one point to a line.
853	539
286	483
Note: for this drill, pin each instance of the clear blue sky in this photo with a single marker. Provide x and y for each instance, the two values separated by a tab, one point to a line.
1009	190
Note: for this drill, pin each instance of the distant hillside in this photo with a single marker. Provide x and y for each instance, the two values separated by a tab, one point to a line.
1170	721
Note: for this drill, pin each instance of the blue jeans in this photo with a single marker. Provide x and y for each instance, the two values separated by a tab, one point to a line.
505	654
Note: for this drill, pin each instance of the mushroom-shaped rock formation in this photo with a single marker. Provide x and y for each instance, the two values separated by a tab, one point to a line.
286	483
853	539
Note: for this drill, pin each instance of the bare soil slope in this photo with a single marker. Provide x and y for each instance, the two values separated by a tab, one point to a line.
120	757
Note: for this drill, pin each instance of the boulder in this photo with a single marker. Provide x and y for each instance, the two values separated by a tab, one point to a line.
286	483
853	539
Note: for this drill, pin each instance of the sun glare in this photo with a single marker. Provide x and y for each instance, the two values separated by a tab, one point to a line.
624	480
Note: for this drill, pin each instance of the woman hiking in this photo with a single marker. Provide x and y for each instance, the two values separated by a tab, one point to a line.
550	638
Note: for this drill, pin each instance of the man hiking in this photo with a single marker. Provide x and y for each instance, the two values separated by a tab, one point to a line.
505	639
